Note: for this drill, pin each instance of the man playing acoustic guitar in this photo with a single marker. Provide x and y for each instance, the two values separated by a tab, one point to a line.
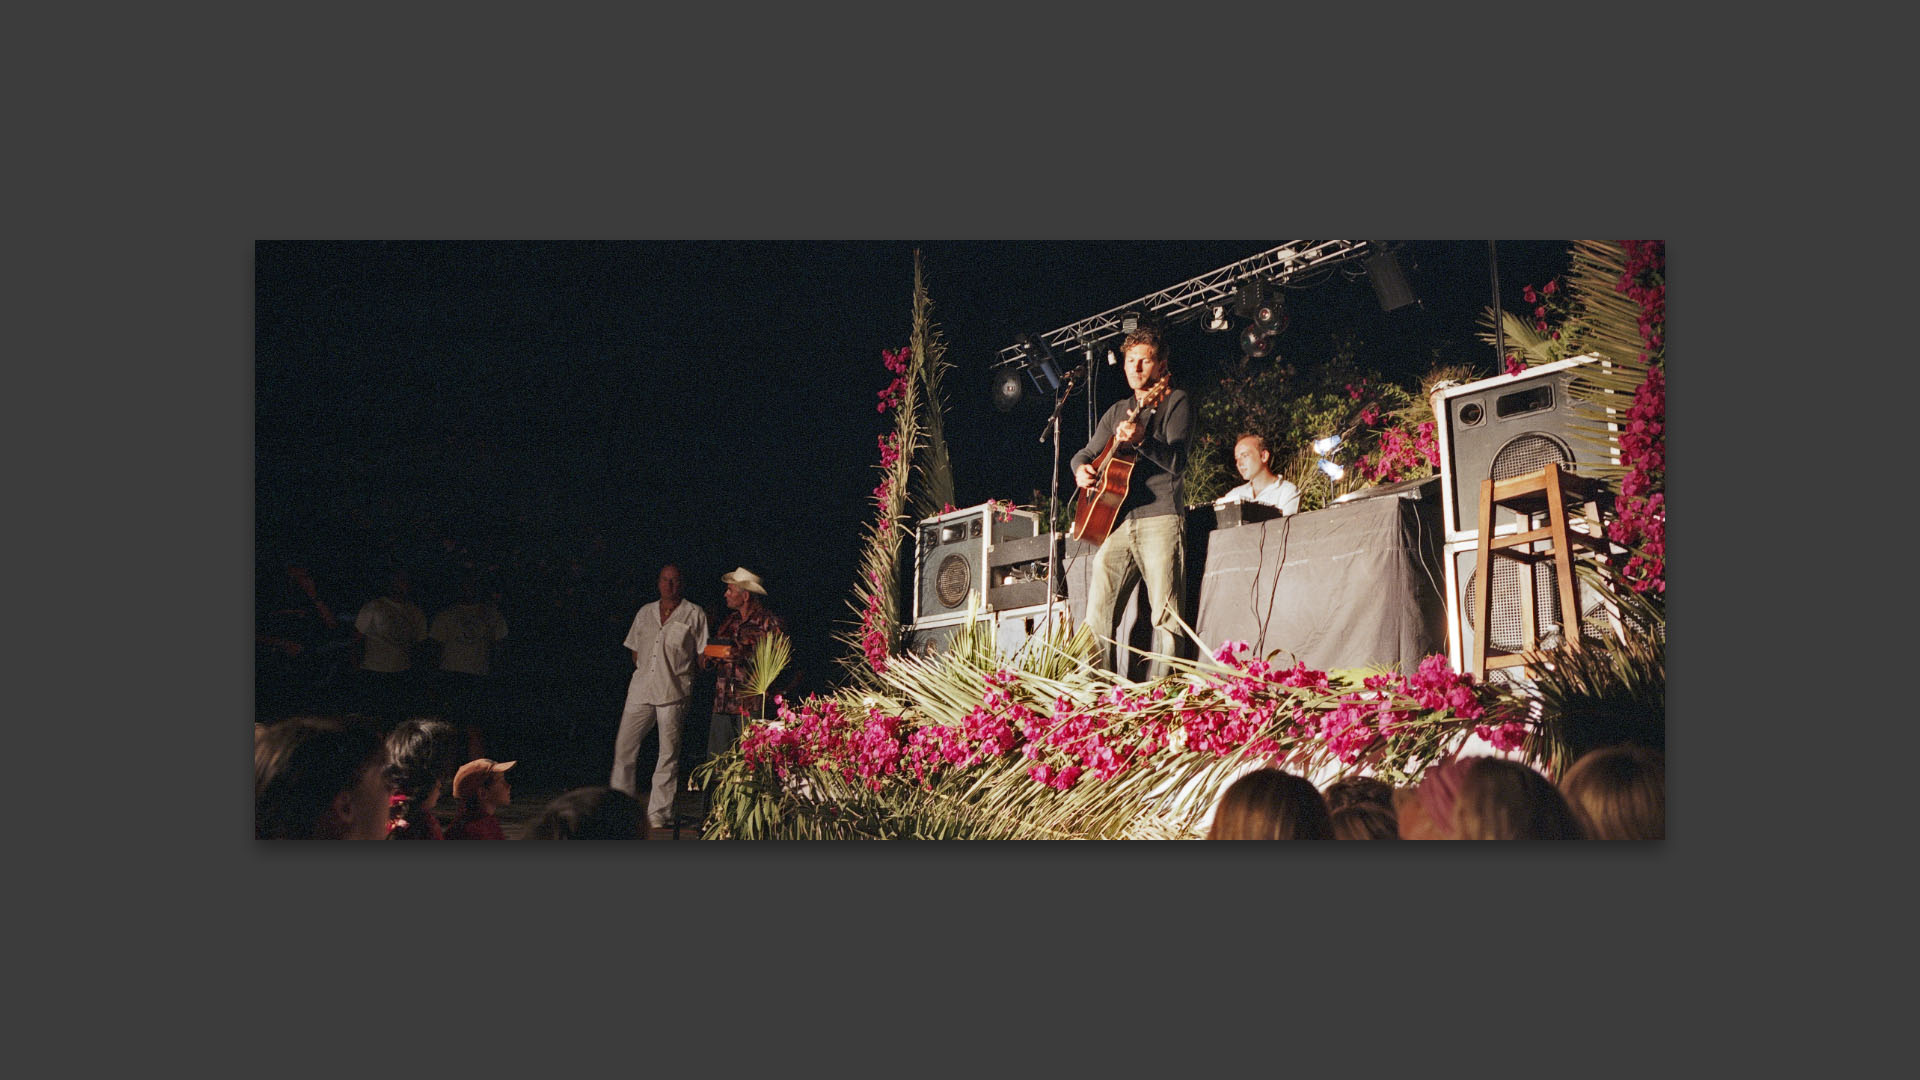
1138	452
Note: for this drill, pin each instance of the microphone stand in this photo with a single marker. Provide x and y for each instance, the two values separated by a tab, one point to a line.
1052	431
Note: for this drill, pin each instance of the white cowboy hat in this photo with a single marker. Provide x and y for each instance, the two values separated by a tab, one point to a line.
745	579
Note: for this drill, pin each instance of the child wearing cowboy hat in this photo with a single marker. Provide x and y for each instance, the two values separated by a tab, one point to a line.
482	784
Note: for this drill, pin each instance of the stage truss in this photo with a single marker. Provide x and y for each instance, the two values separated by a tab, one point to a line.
1276	266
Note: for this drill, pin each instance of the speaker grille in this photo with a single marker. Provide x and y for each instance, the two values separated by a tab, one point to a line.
1528	453
953	581
1506	631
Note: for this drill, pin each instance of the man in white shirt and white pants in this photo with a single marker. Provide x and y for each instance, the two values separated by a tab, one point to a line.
665	639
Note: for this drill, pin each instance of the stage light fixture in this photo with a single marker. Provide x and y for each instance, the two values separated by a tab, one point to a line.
1269	315
1039	363
1112	358
1006	389
1389	284
1333	469
1325	446
1248	296
1129	322
1217	320
1255	342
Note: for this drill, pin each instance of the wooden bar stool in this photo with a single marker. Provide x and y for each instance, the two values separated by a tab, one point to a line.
1546	491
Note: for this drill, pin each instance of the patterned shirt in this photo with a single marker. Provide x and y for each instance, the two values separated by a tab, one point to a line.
743	629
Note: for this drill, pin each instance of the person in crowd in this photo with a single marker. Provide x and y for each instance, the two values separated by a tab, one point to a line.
1271	804
481	786
1349	790
1147	541
1254	461
1504	800
666	639
470	633
1619	793
421	754
389	626
1365	821
1423	810
748	620
590	813
320	778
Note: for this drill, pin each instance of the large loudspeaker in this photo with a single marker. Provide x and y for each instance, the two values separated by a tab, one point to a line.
1507	628
952	558
1012	628
1506	426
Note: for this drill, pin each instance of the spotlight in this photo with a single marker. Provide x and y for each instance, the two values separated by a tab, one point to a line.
1333	469
1112	358
1006	389
1129	322
1389	284
1040	364
1217	321
1255	342
1325	446
1269	316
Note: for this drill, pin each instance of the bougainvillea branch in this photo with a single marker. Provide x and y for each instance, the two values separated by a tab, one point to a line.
1005	753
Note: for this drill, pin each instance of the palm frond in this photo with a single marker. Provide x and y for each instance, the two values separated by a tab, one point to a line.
933	466
770	656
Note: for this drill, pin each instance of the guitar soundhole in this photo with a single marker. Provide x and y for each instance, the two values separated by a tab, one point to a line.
953	582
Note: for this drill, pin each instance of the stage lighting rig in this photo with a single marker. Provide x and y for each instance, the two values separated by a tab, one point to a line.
1198	296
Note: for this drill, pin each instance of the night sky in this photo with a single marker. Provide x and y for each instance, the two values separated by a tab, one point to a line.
713	404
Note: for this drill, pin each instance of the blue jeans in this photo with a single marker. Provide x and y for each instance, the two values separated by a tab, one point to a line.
1149	549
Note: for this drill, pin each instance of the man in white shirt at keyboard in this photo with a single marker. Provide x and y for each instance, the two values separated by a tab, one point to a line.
1251	457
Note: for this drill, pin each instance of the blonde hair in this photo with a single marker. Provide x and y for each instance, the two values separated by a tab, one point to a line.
1619	793
1505	800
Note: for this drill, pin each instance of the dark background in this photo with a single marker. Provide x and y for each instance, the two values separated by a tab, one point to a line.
570	415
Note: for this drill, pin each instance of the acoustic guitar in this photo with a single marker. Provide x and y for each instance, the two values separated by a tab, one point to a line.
1095	507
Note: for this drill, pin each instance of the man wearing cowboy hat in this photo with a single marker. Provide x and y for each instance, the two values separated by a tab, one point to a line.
747	621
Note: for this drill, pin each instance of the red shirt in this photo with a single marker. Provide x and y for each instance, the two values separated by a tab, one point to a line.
473	825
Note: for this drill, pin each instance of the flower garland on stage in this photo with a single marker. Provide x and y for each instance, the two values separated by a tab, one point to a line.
978	750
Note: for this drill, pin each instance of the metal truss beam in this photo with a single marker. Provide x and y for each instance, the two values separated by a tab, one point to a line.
1275	266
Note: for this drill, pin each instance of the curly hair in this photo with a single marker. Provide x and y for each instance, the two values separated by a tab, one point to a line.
1147	334
1349	790
420	753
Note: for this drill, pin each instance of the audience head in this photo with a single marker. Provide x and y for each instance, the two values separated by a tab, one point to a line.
320	778
421	757
1504	800
1349	790
1269	804
1619	793
1423	810
482	782
590	813
1365	821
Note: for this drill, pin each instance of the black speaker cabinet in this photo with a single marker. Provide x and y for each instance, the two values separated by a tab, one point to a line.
1509	425
1508	606
952	557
